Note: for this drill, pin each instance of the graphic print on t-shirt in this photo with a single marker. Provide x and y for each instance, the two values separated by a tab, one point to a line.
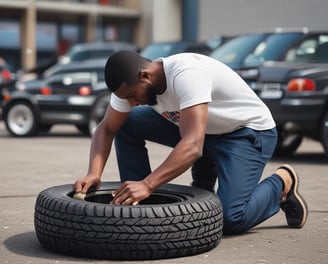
173	117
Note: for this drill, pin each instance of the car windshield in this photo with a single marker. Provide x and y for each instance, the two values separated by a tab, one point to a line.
272	48
234	51
158	50
91	54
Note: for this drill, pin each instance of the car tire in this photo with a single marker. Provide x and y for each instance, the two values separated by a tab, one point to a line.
98	112
174	221
288	142
84	129
21	119
324	134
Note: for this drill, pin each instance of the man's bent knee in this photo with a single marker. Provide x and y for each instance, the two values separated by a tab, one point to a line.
233	225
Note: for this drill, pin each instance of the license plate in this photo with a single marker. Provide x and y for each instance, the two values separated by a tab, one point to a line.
271	91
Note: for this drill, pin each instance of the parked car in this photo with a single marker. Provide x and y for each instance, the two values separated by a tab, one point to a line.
94	50
253	49
163	49
75	94
6	81
296	92
78	52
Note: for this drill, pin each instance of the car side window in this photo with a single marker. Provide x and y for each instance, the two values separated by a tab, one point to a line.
302	52
321	53
79	56
105	53
312	49
272	49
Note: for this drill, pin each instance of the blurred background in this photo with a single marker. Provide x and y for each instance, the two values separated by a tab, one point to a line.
52	55
35	32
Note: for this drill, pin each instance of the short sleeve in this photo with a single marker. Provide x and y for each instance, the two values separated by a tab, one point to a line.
121	105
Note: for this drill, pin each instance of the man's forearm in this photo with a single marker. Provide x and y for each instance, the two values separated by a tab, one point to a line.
99	152
179	160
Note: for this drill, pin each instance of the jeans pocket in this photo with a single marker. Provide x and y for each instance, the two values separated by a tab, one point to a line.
268	142
257	142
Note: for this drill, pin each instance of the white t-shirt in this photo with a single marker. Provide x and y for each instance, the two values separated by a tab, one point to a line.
193	79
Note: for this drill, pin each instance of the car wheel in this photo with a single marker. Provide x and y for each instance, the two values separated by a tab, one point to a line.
97	113
21	119
324	134
174	221
288	142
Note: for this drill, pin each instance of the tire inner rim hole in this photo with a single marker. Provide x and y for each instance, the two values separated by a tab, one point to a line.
105	197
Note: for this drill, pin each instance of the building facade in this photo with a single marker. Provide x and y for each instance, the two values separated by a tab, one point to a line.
33	31
232	17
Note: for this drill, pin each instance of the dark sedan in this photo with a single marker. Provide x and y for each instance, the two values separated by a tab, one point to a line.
297	94
74	94
253	49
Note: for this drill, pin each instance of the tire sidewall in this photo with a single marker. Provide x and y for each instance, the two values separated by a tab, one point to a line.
287	150
64	194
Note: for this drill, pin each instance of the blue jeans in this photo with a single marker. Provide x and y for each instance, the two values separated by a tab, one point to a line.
238	157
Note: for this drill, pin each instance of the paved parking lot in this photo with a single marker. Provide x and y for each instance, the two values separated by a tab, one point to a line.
32	164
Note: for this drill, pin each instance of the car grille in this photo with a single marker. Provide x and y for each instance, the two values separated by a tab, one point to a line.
60	88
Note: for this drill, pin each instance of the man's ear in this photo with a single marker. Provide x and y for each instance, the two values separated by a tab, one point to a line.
143	74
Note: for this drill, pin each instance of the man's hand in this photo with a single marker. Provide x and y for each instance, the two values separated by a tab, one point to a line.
131	193
85	183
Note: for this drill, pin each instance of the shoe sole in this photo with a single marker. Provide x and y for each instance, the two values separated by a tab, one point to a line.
299	198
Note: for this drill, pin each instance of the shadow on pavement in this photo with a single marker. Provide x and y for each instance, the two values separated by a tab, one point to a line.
303	158
255	230
59	131
26	244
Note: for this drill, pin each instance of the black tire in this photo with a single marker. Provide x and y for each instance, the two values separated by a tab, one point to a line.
84	129
324	134
288	143
175	221
98	112
21	119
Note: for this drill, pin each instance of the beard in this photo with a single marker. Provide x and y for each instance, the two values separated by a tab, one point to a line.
151	96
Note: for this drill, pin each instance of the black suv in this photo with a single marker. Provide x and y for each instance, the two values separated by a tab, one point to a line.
73	94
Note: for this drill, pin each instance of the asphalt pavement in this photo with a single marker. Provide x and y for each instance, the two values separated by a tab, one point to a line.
30	165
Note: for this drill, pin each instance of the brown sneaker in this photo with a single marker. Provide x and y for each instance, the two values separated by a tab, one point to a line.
293	204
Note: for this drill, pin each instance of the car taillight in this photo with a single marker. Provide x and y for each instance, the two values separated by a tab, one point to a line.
301	85
45	90
84	90
6	74
6	95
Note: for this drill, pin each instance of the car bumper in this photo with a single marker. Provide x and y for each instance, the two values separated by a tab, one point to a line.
303	113
65	109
